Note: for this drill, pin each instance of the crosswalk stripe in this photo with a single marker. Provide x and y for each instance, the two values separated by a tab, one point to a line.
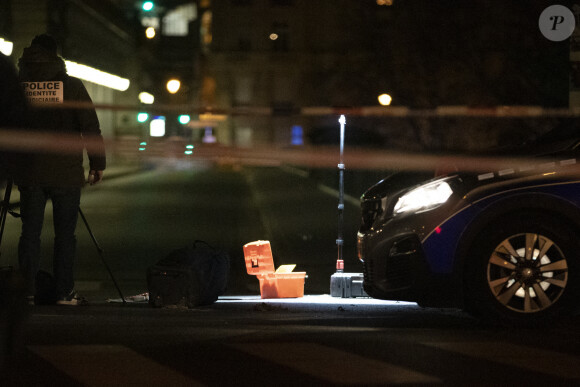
543	361
109	365
333	365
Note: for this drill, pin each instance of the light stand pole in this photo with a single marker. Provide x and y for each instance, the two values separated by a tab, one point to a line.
344	285
340	240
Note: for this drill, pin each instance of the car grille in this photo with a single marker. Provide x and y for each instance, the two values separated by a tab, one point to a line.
400	262
368	271
398	275
399	266
399	272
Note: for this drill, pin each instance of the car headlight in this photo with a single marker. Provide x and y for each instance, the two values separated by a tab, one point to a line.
423	198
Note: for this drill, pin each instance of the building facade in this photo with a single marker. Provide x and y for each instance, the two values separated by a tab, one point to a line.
90	33
284	55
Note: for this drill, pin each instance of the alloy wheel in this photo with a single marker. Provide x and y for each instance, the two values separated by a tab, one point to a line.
527	273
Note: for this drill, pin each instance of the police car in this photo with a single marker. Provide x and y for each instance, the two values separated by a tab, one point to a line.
503	245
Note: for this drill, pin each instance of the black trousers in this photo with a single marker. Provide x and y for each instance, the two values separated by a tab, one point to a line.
65	202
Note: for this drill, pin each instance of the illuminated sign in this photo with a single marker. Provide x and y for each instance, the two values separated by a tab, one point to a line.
99	77
6	47
157	127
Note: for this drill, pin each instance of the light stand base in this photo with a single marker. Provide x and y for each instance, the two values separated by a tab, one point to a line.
347	285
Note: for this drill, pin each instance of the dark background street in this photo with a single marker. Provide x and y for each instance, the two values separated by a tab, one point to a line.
267	80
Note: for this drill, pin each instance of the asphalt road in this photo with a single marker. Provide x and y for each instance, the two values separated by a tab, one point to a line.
242	339
140	218
316	340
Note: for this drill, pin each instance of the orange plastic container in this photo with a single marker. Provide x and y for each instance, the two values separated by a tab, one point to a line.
273	284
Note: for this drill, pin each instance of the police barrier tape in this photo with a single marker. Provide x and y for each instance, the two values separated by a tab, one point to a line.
303	156
313	157
359	111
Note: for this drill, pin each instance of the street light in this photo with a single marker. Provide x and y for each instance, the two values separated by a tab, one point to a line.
385	99
150	32
146	98
173	86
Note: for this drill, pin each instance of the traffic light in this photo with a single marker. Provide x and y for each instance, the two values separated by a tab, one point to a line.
184	119
142	117
147	6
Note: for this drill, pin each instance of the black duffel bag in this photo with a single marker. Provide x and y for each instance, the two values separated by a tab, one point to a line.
190	276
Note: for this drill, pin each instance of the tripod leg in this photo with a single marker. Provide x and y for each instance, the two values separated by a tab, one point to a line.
100	250
4	209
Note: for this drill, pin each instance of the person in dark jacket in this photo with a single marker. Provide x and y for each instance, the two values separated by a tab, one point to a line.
55	171
13	110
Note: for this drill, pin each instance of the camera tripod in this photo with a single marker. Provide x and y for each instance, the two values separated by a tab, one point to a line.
5	210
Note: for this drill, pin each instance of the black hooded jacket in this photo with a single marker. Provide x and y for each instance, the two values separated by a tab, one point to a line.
13	110
71	129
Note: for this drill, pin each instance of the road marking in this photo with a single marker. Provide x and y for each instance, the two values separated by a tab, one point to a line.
334	192
333	365
321	187
295	171
544	361
110	365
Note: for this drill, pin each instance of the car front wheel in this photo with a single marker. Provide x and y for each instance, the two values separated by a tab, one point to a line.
523	270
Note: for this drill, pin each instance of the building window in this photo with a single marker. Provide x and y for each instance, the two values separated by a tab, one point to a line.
244	88
279	37
176	22
244	44
205	31
242	3
281	3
